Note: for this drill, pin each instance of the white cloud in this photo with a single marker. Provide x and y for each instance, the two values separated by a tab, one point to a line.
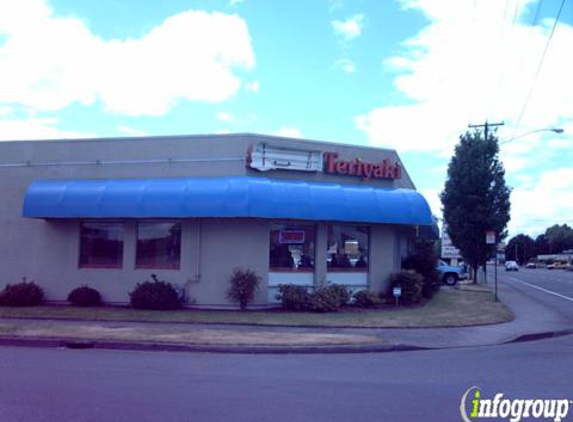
542	204
235	3
48	63
288	132
432	196
131	131
254	86
346	65
350	28
335	5
225	117
35	128
471	63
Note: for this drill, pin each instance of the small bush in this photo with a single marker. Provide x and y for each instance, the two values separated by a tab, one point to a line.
423	261
22	294
411	283
84	296
293	297
244	284
329	298
156	295
366	299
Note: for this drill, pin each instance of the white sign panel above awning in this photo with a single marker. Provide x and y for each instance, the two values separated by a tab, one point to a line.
264	157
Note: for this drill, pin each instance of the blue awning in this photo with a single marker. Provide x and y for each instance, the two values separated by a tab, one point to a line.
239	196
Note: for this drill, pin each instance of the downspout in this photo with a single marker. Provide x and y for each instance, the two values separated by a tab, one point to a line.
197	277
199	247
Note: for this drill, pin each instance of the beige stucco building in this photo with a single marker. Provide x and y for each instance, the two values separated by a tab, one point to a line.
110	212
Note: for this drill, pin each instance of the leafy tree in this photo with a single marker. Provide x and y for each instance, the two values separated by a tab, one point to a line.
559	238
475	197
520	248
542	245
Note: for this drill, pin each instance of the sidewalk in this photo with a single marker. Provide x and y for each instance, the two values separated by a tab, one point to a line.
532	321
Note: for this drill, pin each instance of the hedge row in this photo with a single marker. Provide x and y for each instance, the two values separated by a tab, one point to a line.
158	294
335	296
154	294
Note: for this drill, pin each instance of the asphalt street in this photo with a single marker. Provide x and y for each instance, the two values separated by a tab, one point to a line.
103	385
559	282
48	384
550	289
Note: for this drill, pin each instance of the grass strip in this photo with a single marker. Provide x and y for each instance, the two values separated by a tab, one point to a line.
449	308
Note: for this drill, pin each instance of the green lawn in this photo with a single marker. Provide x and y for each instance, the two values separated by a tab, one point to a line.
449	308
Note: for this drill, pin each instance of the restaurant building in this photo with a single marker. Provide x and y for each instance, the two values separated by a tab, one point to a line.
108	213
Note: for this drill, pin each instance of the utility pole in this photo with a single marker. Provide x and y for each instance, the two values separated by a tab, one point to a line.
486	127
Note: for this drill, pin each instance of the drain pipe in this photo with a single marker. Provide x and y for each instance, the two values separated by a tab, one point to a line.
197	277
199	248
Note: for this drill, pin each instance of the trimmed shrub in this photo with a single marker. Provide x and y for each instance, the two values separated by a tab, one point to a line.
423	261
244	284
22	294
155	295
293	297
366	299
84	296
329	298
411	283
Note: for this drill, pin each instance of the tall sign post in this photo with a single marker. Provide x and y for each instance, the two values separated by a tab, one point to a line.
490	239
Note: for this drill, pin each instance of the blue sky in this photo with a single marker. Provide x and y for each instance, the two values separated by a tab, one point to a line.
404	74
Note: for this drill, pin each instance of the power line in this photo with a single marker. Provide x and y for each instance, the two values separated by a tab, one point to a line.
537	13
540	65
516	11
504	61
505	68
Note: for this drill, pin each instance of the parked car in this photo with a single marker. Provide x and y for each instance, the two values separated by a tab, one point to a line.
531	265
450	274
511	266
556	266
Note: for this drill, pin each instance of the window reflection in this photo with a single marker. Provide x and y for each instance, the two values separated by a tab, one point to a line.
158	245
347	248
101	245
291	247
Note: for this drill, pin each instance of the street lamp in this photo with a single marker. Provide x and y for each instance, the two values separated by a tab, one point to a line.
553	129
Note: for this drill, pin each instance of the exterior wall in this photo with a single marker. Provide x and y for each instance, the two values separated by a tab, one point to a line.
383	244
227	244
47	251
179	156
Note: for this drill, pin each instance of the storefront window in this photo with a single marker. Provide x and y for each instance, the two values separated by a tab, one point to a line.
347	248
158	245
101	245
292	247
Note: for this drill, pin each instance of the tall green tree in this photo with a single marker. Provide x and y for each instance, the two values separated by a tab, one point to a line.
542	245
559	238
520	248
475	198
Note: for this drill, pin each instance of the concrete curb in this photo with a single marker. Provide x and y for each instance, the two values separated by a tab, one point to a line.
204	348
251	349
540	336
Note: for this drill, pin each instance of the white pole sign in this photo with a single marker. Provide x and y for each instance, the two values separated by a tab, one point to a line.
490	237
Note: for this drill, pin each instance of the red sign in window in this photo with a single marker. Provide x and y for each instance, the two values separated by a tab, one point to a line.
290	237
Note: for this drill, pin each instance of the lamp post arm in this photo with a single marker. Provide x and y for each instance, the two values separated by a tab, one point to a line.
555	129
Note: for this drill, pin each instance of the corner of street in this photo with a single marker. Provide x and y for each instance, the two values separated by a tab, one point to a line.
540	301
